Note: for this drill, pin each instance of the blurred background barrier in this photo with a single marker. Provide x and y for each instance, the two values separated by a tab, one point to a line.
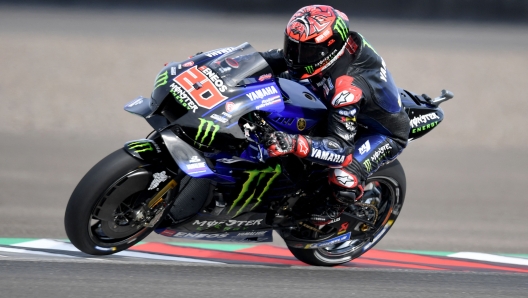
486	10
66	72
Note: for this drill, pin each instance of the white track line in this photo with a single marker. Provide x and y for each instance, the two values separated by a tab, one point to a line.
489	258
59	245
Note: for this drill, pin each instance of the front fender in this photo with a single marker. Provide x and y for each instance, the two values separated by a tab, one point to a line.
191	160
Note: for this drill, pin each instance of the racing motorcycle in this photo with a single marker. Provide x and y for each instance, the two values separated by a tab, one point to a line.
204	172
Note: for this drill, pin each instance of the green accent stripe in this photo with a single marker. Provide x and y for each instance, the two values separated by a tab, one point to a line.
11	241
424	252
515	255
214	246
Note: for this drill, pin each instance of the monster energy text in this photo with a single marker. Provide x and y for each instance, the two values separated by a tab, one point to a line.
139	147
161	79
253	174
207	129
341	27
181	96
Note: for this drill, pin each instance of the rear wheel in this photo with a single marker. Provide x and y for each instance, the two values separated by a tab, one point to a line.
386	190
112	209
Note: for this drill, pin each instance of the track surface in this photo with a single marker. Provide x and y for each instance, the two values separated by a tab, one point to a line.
66	75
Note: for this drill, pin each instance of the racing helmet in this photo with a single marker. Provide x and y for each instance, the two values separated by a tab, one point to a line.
315	38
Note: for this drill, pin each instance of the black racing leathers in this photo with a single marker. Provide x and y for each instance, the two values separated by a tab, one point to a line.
365	113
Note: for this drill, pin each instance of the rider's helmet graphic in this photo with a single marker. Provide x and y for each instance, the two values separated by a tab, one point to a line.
315	38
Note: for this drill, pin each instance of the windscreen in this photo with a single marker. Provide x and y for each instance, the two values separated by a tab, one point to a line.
243	66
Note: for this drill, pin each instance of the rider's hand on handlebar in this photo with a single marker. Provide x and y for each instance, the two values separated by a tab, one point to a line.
280	143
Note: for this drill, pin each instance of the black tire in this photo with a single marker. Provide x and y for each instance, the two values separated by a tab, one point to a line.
104	188
389	176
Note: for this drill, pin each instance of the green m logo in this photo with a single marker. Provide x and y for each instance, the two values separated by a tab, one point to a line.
341	27
206	130
368	165
309	69
161	79
139	147
366	44
260	175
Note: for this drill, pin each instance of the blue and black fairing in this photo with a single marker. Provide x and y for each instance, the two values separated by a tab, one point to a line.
423	115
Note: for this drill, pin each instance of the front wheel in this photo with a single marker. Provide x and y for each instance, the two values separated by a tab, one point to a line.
389	185
116	205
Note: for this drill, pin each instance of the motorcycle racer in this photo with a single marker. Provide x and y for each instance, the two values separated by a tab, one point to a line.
366	126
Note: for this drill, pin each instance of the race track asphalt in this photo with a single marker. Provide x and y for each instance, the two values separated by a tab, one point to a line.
66	74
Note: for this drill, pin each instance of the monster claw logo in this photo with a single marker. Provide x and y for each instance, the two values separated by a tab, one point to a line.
161	79
368	165
139	147
207	129
309	69
253	174
341	27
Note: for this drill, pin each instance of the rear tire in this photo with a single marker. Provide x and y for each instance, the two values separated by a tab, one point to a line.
390	176
116	180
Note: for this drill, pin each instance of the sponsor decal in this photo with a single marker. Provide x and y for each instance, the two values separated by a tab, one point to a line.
264	77
227	223
329	242
348	113
302	147
262	233
343	98
139	147
335	220
309	69
199	235
330	42
196	167
194	159
136	102
368	165
341	27
345	179
323	36
333	145
327	156
269	102
425	127
364	148
203	86
328	86
228	116
422	119
173	70
261	93
161	79
366	44
343	228
380	153
188	64
224	69
230	106
383	71
158	178
348	136
219	118
228	160
182	97
209	125
215	53
301	124
247	189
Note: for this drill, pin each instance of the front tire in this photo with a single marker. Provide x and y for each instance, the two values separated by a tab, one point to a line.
98	215
390	179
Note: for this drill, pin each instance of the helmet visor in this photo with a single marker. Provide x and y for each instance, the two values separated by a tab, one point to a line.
304	53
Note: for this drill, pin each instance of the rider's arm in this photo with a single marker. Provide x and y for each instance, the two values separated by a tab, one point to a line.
275	59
